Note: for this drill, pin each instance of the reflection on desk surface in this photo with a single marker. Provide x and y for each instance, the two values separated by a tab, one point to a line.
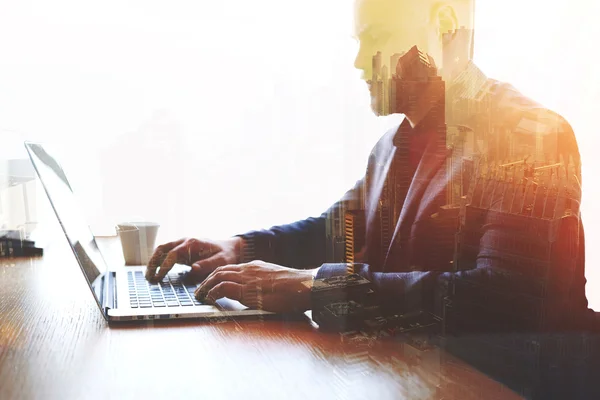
58	344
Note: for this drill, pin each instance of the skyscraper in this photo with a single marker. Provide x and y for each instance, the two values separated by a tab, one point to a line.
392	88
417	87
376	67
456	52
385	92
335	245
355	237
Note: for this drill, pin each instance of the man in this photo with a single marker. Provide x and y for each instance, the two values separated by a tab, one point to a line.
434	202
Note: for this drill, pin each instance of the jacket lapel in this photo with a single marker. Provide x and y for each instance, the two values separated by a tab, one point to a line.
418	199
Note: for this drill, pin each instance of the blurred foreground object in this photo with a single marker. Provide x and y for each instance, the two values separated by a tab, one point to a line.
17	196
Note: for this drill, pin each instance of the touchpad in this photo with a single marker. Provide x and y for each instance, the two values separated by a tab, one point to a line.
230	305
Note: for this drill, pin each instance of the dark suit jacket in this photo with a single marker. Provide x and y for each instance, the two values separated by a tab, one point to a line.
417	267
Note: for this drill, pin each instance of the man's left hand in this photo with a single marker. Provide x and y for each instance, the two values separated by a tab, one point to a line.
259	285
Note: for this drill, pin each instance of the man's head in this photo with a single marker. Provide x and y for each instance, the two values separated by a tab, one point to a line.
394	26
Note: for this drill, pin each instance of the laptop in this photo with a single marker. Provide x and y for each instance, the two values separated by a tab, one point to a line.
121	292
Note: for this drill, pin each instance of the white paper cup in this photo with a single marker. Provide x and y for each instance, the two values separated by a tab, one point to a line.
138	240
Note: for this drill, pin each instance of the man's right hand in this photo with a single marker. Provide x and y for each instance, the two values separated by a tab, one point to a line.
201	254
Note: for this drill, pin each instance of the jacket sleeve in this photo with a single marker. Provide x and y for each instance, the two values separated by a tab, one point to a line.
301	244
493	287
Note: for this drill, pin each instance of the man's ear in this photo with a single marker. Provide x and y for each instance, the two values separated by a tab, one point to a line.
443	16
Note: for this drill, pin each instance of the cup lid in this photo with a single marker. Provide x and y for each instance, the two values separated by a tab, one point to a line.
128	226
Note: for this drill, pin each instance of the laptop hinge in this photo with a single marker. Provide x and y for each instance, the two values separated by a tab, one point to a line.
110	293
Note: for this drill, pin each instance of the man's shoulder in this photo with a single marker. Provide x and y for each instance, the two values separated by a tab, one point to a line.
520	113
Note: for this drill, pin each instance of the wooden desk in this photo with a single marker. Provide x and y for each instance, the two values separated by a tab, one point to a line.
55	344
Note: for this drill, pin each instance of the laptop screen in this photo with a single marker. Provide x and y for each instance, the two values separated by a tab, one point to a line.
69	215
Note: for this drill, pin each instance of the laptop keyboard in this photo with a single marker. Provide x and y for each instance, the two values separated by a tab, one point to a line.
170	292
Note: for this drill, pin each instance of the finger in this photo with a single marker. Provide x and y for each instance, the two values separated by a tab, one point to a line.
156	260
173	257
222	268
216	278
207	266
230	290
159	256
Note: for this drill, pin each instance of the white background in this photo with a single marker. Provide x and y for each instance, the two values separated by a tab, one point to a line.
216	117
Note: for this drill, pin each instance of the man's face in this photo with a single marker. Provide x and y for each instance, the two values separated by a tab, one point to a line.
391	27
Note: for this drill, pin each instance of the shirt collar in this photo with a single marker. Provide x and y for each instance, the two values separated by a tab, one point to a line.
406	131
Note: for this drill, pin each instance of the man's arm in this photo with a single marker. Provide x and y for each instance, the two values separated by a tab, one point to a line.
494	283
301	244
